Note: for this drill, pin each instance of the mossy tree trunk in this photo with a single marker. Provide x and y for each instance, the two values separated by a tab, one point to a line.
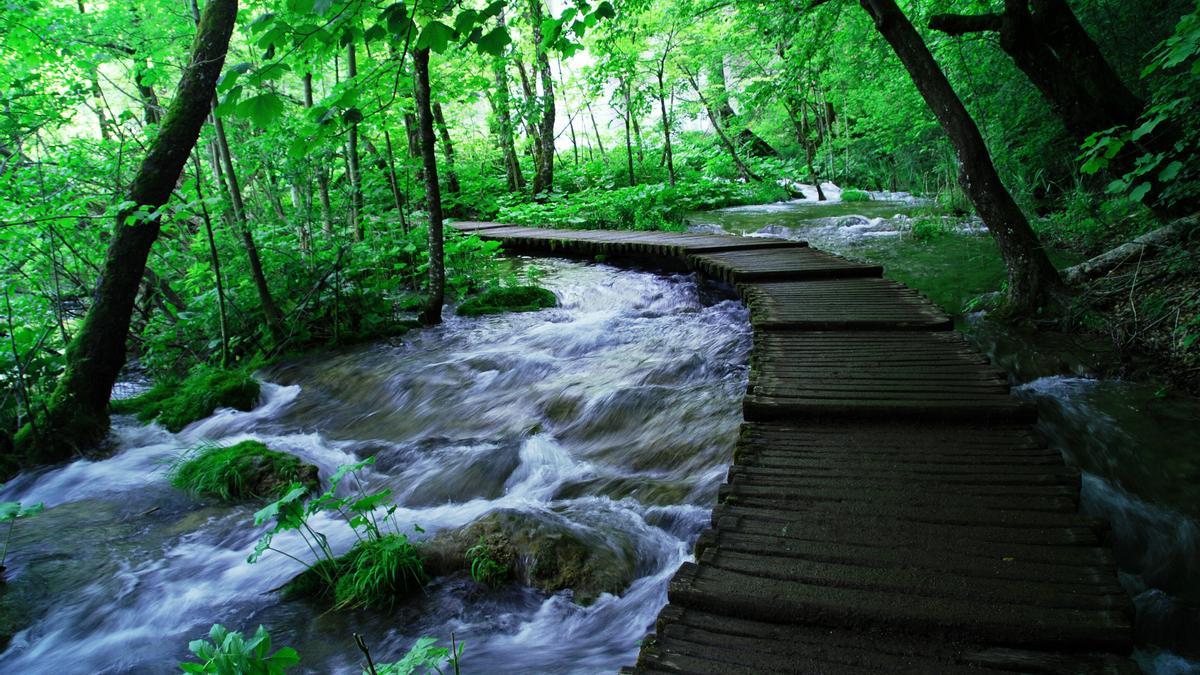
432	313
1032	279
1046	41
543	175
77	414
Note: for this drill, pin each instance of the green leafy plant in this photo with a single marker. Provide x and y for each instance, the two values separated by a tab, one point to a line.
423	657
853	195
246	470
485	569
11	512
383	564
229	653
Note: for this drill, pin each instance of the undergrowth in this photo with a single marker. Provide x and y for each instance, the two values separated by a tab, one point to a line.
246	470
177	403
508	299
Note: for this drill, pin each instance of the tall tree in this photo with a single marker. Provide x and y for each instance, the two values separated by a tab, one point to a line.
1032	278
432	314
1047	42
77	415
543	176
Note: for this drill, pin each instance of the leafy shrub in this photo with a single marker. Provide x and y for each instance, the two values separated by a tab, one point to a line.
930	228
852	195
508	299
228	653
641	207
243	471
383	566
422	657
177	404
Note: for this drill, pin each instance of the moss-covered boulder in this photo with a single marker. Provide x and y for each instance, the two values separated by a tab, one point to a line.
508	299
248	470
544	553
852	195
176	404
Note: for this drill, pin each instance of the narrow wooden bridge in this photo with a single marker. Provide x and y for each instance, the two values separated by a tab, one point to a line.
889	508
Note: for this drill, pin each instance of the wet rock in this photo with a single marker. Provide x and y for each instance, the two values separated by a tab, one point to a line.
545	553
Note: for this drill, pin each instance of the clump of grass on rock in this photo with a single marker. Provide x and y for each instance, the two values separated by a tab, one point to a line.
852	195
508	299
176	404
248	470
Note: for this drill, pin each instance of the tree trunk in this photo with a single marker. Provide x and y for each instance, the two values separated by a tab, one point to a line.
77	415
1047	42
500	103
666	125
753	144
274	319
447	149
432	313
393	181
543	177
1144	247
322	175
356	195
1032	279
628	138
742	169
595	129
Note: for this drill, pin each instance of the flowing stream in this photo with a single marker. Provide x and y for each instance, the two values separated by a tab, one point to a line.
1137	446
612	417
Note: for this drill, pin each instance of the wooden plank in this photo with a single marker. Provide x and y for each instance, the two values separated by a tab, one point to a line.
742	266
843	304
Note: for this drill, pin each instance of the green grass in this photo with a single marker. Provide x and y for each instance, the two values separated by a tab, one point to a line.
176	404
509	299
374	574
852	195
247	470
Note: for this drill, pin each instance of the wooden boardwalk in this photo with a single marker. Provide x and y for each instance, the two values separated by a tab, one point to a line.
889	508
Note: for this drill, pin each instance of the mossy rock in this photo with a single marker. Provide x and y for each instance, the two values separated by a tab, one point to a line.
852	195
176	404
509	299
375	573
248	470
549	555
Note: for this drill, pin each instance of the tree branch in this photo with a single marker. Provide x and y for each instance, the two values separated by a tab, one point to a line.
961	24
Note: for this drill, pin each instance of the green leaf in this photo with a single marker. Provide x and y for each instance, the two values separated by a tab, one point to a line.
605	10
1139	192
261	110
465	21
435	36
1171	172
494	41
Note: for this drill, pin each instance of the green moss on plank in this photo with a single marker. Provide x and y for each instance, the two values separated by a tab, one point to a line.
176	404
248	470
510	299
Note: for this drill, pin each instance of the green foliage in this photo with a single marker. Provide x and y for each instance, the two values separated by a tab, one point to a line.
10	512
228	653
381	567
852	195
378	571
485	568
176	404
423	657
642	207
247	470
508	299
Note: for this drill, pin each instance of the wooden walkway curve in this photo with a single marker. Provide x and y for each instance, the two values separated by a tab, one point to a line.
889	507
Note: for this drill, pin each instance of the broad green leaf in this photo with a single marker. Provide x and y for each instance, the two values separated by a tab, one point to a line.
261	110
435	36
494	41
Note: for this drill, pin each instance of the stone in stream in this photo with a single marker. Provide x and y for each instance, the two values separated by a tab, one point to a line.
548	555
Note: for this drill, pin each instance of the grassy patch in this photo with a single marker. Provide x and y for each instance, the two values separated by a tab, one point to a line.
247	470
509	299
852	195
176	404
375	573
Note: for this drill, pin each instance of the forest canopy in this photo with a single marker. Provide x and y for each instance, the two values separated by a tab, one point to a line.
216	184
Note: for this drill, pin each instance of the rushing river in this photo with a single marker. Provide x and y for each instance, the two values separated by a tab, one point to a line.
1138	447
613	416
